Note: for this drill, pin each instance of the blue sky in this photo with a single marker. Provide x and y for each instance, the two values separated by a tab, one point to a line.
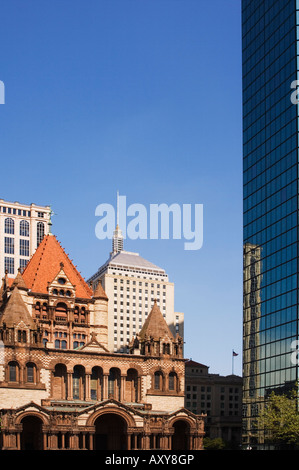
144	97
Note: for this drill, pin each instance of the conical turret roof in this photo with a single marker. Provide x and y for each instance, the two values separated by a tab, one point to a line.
16	311
19	281
155	325
99	292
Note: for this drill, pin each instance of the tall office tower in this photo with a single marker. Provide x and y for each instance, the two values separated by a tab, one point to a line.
22	228
132	284
270	33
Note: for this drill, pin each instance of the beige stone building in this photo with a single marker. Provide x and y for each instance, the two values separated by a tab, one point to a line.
132	283
61	387
219	398
22	227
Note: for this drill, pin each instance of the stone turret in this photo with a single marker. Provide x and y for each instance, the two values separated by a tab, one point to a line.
155	337
99	319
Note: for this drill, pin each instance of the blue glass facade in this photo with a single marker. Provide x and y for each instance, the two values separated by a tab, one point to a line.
270	191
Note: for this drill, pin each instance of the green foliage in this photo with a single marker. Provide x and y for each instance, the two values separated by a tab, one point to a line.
280	418
214	444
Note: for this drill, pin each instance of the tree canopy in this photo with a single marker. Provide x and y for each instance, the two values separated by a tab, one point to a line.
280	418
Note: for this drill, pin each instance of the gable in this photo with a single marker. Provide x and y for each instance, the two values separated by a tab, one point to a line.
45	264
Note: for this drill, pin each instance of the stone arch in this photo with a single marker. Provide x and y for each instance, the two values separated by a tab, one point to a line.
130	421
31	435
131	393
111	432
182	428
35	413
59	381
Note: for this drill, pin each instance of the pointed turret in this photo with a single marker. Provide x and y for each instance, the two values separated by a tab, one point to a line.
155	337
19	281
155	325
15	312
99	292
99	318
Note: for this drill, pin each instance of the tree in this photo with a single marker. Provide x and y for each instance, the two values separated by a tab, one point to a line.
213	444
280	418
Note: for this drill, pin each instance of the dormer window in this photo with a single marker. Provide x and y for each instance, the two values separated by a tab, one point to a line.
22	336
55	292
61	281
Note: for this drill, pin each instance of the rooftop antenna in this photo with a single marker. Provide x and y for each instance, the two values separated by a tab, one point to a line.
117	240
117	209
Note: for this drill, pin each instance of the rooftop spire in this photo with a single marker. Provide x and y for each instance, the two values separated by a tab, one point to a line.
117	240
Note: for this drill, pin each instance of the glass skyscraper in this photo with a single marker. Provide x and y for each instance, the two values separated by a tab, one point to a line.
270	45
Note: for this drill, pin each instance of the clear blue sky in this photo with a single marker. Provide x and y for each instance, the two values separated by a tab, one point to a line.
144	97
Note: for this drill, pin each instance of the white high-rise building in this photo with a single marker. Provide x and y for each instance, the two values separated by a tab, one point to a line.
132	284
22	228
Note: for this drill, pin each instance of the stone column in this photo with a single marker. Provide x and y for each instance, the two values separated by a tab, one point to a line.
70	385
122	388
87	387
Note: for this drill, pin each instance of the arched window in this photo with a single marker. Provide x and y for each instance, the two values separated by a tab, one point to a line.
59	388
45	310
114	384
40	232
131	392
96	383
83	315
13	371
22	336
172	381
61	312
158	380
31	372
9	226
24	228
37	310
79	383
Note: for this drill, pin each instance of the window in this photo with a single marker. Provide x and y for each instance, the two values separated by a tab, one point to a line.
30	369
22	336
172	381
40	232
9	246
24	228
13	371
24	247
158	380
23	263
9	265
9	226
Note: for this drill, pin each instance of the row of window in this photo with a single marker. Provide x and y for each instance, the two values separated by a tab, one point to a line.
24	231
9	246
9	227
9	264
14	211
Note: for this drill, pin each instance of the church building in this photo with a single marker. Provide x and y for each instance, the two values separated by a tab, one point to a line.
60	385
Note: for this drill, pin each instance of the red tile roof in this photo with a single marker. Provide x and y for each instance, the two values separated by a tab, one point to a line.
45	264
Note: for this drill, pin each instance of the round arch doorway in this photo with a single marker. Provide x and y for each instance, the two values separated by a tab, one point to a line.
180	438
31	435
110	432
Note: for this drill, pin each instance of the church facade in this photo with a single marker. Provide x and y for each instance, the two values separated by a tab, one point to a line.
60	385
